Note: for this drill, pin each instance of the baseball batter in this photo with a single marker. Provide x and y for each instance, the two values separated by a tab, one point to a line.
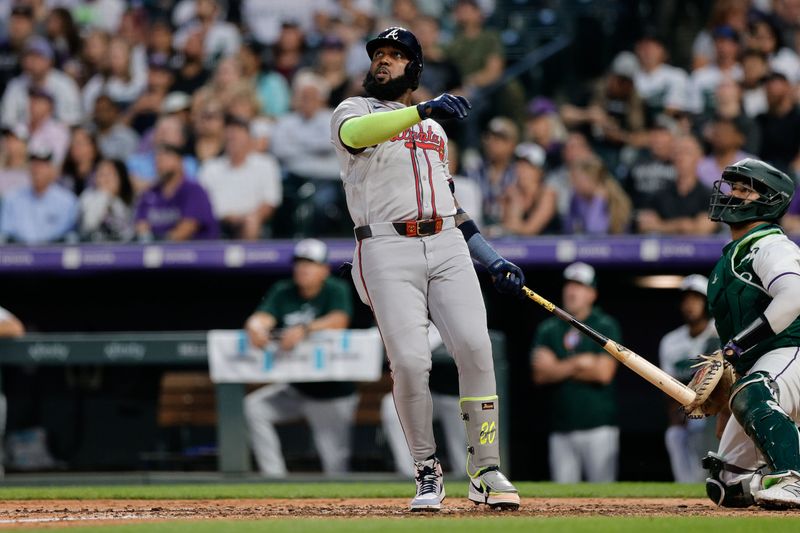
412	258
754	296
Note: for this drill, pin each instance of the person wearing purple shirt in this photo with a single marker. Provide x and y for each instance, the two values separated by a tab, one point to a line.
174	209
598	205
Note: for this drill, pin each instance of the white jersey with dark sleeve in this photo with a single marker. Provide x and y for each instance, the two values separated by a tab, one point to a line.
404	178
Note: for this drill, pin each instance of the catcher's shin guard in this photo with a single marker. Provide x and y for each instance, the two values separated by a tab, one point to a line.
480	415
738	494
754	403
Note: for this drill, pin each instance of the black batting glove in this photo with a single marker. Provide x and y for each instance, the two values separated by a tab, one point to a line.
444	106
507	277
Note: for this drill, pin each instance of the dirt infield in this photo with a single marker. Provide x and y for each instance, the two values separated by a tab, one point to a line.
73	512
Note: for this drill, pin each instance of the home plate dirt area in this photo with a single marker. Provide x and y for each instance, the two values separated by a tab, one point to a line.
38	513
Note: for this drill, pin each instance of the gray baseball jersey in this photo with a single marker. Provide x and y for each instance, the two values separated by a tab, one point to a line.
404	178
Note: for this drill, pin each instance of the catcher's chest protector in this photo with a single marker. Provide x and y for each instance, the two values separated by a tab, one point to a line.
736	296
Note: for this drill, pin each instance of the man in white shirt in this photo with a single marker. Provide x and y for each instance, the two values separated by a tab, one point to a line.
705	80
220	39
661	85
244	186
38	71
45	130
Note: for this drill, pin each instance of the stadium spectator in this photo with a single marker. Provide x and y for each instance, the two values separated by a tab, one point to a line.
174	208
123	82
263	19
311	301
662	86
244	186
529	206
469	192
755	68
142	164
10	328
160	40
543	126
290	53
192	73
225	82
704	81
271	88
331	66
725	140
14	171
780	125
81	161
495	171
677	352
681	208
440	74
597	205
584	436
731	13
787	19
115	139
220	39
791	220
103	14
209	131
20	29
763	35
38	72
653	170
45	130
300	140
402	13
142	114
41	212
106	207
93	58
576	148
63	34
612	116
728	106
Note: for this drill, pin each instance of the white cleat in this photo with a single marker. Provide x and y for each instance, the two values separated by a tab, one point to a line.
430	486
781	491
492	488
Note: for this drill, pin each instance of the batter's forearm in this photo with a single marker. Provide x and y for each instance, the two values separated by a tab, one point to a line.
375	128
480	250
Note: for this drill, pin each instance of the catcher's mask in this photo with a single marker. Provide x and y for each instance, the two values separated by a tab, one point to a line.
408	43
775	190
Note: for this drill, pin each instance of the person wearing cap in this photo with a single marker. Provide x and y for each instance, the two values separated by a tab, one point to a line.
755	67
169	129
704	81
544	127
38	72
677	352
41	212
20	28
612	114
291	310
494	172
529	205
653	170
780	124
45	130
142	114
174	209
579	375
682	207
14	171
244	186
662	86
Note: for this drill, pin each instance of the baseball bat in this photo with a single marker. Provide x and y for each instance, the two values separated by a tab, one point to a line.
671	386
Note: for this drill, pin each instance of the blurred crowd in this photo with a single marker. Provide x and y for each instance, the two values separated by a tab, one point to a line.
197	119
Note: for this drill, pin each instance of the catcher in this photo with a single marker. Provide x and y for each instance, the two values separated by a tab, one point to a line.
754	296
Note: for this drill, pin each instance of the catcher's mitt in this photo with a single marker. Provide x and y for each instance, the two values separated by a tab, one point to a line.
712	382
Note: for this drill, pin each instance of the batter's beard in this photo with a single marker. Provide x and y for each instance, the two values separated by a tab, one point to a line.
391	91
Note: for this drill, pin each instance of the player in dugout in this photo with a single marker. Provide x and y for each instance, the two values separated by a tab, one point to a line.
754	296
411	261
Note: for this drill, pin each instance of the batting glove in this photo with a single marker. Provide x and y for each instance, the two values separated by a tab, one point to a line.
444	106
507	277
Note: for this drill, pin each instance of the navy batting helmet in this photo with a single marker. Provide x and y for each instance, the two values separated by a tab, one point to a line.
406	41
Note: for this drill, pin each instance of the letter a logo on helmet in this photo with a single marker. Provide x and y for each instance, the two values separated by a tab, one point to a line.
406	41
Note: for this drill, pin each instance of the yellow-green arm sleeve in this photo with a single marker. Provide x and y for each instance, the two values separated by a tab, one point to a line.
375	128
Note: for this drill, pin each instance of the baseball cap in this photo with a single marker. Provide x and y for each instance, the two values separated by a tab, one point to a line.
541	106
503	127
40	46
332	42
175	101
725	32
158	61
311	250
22	10
38	92
580	273
40	153
532	153
18	130
775	75
695	283
625	65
